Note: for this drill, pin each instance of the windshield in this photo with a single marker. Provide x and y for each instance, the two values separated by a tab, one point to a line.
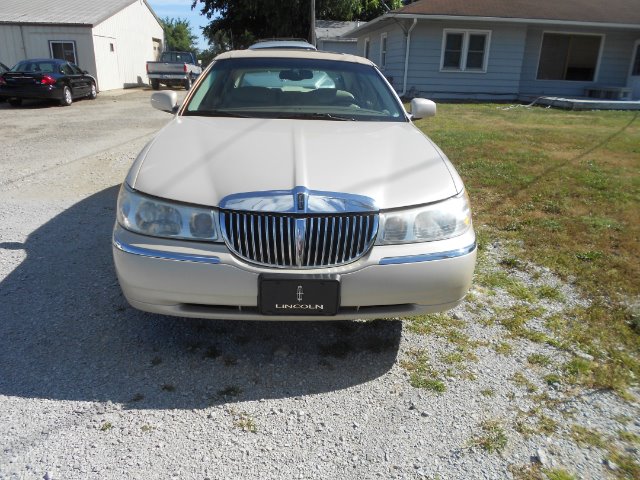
295	88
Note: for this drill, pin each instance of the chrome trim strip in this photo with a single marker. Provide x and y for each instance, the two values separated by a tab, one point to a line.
428	257
286	201
179	257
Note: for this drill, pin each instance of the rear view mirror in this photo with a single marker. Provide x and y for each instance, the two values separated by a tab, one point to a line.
296	75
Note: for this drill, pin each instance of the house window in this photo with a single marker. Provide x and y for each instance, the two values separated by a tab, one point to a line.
569	57
366	47
465	50
63	50
111	47
383	50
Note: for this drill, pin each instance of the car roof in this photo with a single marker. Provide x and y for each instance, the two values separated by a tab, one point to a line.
284	53
54	60
284	44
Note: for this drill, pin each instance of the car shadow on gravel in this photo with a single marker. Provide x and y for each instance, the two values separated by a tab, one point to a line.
67	333
34	104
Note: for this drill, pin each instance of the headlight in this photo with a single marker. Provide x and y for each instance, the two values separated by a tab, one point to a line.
437	221
160	218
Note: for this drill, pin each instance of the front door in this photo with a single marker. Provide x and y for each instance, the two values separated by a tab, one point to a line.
634	74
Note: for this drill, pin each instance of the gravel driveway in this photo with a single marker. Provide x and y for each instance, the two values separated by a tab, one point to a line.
92	389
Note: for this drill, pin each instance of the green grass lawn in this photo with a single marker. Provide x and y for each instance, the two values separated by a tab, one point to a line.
562	189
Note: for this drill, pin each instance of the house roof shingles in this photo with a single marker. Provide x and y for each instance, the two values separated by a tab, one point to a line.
65	12
590	11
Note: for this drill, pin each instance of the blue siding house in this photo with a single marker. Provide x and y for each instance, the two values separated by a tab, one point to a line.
508	49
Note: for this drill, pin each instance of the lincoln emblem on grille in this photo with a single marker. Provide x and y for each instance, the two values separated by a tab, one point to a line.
299	293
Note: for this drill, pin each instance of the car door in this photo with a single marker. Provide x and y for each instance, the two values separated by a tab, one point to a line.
71	78
84	79
79	83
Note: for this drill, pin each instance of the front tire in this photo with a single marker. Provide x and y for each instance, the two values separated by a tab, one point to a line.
187	83
67	98
93	93
15	102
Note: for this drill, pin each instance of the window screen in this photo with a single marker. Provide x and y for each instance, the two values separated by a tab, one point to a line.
453	51
475	52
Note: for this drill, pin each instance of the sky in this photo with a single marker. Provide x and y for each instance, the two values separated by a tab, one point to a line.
181	9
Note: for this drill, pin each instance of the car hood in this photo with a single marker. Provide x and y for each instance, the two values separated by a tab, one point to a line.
201	160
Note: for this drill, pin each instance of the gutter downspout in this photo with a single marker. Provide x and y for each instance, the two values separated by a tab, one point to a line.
406	59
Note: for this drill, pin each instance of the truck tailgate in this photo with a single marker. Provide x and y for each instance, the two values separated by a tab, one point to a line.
164	67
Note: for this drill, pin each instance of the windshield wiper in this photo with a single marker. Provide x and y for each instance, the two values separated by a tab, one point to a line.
216	113
318	116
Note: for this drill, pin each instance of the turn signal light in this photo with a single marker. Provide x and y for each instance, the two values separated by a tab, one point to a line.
2	81
47	80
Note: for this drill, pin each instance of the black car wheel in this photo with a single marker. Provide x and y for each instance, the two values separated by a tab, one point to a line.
93	93
15	102
155	84
187	83
67	99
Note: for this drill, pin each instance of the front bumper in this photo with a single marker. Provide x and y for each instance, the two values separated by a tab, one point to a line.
192	279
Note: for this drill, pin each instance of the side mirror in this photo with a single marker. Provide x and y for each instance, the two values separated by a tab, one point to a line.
422	108
165	101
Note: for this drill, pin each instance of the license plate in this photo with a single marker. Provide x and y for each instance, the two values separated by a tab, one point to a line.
285	295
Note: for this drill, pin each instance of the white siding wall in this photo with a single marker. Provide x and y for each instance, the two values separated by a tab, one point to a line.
18	42
131	31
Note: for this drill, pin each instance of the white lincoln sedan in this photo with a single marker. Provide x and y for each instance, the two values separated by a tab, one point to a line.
293	185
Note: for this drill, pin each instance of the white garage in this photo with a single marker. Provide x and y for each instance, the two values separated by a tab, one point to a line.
112	39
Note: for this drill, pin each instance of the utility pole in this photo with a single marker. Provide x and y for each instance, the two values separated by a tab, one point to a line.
312	33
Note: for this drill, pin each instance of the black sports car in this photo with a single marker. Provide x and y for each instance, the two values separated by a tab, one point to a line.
47	79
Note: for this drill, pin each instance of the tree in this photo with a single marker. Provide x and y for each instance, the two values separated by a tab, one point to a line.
218	44
245	21
177	35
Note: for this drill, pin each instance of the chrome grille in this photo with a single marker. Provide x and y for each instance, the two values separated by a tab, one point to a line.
298	241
